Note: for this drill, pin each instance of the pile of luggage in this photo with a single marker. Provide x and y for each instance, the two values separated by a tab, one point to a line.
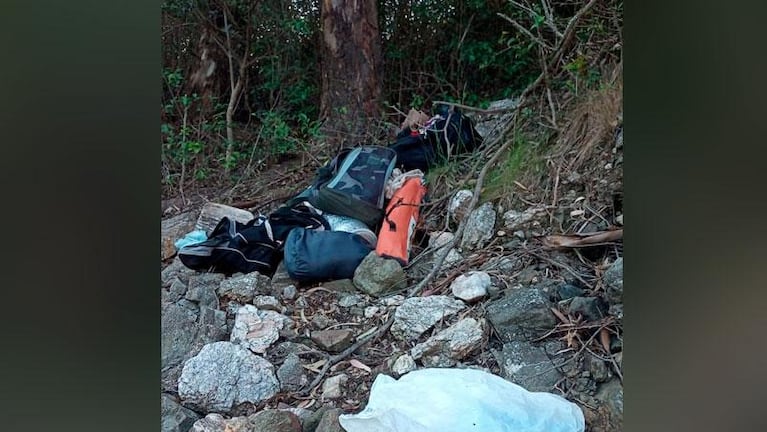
367	198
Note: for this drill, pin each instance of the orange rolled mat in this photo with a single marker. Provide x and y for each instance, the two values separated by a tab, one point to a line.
399	223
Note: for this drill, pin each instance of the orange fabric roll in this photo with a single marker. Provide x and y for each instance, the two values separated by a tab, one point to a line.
399	223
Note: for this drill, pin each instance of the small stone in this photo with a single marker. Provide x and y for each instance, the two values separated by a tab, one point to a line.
528	365
619	219
416	315
608	166
333	340
202	289
289	292
613	279
471	286
378	276
321	322
310	424
264	302
591	308
610	395
349	300
176	418
451	344
522	314
291	374
243	287
403	365
459	205
597	367
257	329
394	300
329	421
371	311
568	291
500	233
332	387
479	227
273	420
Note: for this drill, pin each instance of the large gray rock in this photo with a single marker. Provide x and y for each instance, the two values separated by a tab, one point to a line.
202	289
224	375
416	315
329	421
378	276
291	374
480	227
471	286
243	287
528	365
176	418
451	344
613	279
185	329
257	329
522	314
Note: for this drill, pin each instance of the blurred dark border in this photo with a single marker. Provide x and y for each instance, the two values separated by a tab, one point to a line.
80	174
81	204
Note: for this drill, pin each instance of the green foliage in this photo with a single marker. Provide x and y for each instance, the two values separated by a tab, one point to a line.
522	155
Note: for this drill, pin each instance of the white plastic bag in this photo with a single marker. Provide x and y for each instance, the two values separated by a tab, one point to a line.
460	400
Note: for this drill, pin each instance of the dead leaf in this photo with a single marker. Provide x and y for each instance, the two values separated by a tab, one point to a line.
604	337
582	240
315	367
359	365
307	403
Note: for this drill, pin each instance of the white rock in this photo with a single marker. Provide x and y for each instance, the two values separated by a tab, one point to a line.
371	311
331	388
224	375
257	329
266	302
403	365
479	227
457	207
416	315
471	286
451	344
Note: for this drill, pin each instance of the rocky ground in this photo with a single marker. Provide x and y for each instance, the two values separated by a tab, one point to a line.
253	353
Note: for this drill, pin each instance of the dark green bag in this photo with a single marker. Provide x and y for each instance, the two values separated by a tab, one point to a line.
357	189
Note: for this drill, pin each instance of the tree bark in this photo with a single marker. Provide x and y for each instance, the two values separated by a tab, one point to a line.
352	65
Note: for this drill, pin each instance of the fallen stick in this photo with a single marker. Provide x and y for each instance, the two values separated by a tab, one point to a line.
582	240
346	353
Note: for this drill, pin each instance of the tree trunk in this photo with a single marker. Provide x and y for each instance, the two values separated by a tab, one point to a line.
351	70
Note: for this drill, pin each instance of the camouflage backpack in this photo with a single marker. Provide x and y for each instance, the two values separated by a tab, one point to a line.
357	187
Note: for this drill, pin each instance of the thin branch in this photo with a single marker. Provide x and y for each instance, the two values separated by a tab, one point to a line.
346	353
519	27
